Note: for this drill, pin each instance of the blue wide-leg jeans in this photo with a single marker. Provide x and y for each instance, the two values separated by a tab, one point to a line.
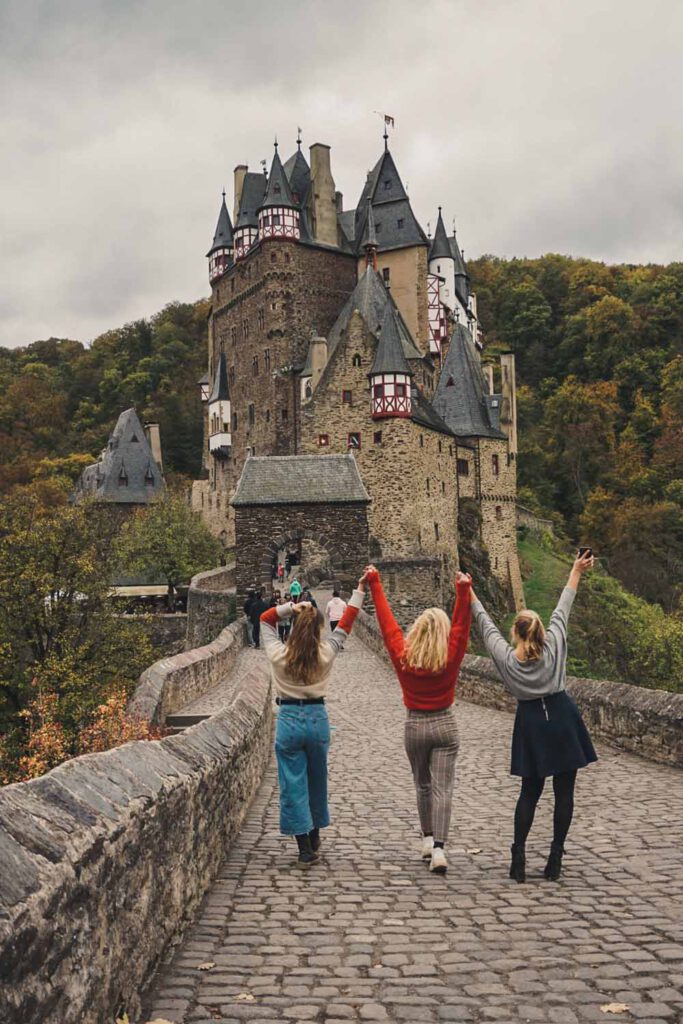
302	740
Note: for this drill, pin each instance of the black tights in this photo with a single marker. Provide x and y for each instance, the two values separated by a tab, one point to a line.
563	787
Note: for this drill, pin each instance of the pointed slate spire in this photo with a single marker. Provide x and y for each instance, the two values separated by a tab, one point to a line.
389	357
220	392
223	238
278	192
440	247
461	276
460	397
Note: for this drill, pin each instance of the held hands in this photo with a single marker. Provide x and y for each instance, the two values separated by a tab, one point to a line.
368	571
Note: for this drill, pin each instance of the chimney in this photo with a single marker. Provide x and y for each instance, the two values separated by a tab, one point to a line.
488	376
240	173
508	409
154	441
339	200
323	201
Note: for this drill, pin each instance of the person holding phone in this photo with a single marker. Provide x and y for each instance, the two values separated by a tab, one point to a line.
300	671
549	736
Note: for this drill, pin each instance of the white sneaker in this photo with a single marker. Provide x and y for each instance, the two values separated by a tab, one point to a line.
439	864
427	847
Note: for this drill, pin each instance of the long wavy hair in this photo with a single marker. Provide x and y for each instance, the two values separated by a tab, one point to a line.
528	630
302	658
426	645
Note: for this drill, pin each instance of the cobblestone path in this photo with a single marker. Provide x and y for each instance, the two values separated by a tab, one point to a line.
369	934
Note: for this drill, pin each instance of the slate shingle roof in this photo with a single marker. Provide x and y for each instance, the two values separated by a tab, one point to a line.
389	355
440	246
425	414
126	472
391	207
300	479
222	239
461	394
278	192
220	391
253	191
298	175
462	286
371	298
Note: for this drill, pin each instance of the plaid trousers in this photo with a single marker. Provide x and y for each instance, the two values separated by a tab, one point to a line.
431	741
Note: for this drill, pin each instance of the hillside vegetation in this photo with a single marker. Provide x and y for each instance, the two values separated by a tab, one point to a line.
600	404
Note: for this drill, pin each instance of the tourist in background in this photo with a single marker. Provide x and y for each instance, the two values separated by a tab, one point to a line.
549	737
295	589
284	625
248	604
426	662
300	672
335	609
306	595
259	606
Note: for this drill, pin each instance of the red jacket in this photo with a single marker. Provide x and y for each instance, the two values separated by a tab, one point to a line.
424	690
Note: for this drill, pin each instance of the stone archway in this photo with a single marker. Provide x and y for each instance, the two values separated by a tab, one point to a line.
281	499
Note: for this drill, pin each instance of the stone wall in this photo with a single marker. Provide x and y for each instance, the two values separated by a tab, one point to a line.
106	859
413	584
533	523
261	531
169	684
209	605
644	722
408	469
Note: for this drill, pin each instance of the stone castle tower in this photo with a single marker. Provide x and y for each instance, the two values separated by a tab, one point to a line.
336	331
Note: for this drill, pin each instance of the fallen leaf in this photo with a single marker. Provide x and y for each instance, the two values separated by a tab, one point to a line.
475	850
246	997
614	1007
209	965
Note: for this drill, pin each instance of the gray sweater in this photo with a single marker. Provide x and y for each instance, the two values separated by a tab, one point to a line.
527	680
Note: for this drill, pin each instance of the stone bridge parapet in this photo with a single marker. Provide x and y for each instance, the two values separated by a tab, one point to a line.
106	858
642	721
209	605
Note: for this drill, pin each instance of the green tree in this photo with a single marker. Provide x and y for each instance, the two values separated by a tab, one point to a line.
167	539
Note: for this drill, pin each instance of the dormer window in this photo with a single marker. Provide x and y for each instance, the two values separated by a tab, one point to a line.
400	222
356	360
450	383
123	478
134	439
277	188
387	184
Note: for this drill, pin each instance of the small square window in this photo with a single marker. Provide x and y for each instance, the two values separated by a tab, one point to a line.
386	275
234	421
347	397
377	437
323	440
499	512
495	465
422	441
285	415
400	391
463	467
436	530
252	415
353	442
378	390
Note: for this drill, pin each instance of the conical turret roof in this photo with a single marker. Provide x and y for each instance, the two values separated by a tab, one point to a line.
396	226
389	357
461	276
370	237
278	192
253	191
220	391
460	397
440	247
222	239
298	175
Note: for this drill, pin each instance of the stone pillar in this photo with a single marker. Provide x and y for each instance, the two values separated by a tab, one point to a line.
508	410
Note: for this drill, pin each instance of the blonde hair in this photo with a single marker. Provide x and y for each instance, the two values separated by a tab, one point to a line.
529	630
426	644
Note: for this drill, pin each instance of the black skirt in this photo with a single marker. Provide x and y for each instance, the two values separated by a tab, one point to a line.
549	737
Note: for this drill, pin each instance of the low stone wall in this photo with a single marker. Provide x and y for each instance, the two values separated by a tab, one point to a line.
209	605
106	858
166	632
644	722
533	523
169	684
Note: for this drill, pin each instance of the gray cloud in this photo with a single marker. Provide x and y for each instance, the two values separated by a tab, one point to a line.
539	125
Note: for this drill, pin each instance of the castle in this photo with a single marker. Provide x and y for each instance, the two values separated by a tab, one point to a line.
337	331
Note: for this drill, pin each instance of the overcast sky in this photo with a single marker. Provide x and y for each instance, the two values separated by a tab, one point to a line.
540	125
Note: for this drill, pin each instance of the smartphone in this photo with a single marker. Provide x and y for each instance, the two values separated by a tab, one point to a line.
585	551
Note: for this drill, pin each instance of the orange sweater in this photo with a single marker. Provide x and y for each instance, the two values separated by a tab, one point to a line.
424	690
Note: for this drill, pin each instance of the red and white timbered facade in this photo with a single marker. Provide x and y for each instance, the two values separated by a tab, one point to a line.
390	395
219	261
244	239
436	314
279	222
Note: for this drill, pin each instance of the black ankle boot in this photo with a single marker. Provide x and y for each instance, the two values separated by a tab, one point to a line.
553	868
307	854
518	863
314	836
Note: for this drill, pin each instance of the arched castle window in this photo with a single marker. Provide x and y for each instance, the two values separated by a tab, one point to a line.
356	360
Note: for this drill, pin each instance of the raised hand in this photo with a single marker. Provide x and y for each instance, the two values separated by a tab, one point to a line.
463	577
